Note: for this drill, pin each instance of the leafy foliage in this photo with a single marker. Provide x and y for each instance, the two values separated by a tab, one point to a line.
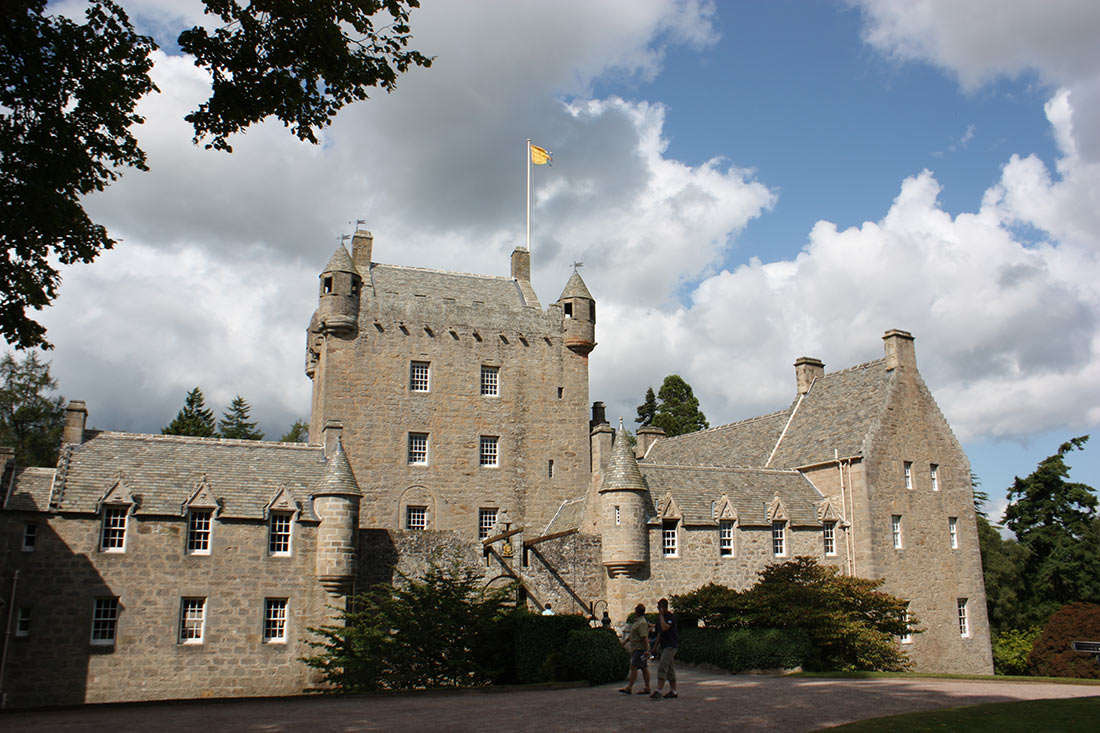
675	409
539	642
193	418
715	605
30	421
67	98
425	632
298	433
1003	570
647	410
235	422
1052	656
739	650
594	655
1011	649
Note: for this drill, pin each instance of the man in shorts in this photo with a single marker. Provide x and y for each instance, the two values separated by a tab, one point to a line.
668	639
636	642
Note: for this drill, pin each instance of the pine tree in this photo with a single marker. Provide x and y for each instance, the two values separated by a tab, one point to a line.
235	422
30	421
647	410
298	433
193	419
678	408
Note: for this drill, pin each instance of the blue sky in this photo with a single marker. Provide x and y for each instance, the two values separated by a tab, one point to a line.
746	183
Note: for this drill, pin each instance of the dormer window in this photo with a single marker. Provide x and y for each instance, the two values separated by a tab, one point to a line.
113	535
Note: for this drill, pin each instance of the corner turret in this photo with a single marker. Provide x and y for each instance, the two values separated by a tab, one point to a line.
338	311
336	503
623	510
579	309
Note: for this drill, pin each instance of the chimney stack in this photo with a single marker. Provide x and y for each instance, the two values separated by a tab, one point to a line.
806	370
362	245
899	349
331	433
76	417
521	264
647	436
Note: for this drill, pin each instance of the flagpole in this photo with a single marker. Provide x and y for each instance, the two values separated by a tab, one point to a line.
528	151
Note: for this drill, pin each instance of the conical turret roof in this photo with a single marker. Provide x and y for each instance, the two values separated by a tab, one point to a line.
340	262
338	479
575	288
622	469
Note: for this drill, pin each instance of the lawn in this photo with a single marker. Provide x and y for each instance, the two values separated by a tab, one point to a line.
1072	714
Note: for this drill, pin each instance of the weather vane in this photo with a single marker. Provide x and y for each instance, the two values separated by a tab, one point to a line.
344	238
358	222
576	265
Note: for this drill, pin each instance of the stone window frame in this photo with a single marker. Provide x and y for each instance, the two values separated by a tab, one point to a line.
416	517
490	380
934	475
105	620
953	532
489	451
964	621
486	520
30	536
280	534
276	618
895	532
670	538
23	622
420	376
907	473
417	449
727	547
200	530
618	515
550	468
779	538
192	625
828	538
112	535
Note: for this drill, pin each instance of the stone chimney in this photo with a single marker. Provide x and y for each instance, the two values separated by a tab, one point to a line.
521	264
331	432
647	436
899	349
76	417
601	437
806	370
362	246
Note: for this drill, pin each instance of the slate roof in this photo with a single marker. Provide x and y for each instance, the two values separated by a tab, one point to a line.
340	262
622	468
745	443
398	284
569	516
837	414
575	288
31	490
750	492
163	471
338	479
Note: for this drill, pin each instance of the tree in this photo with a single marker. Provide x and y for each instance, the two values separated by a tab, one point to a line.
193	418
1003	564
235	422
68	92
647	410
298	433
1052	654
1054	520
30	421
678	408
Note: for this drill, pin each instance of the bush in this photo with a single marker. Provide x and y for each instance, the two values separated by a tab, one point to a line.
594	655
739	650
539	641
1011	649
1051	655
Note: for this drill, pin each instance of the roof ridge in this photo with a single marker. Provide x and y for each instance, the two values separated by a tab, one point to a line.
729	424
716	467
199	440
505	278
864	365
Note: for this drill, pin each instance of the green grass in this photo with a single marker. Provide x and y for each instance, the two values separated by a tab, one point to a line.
980	677
1073	714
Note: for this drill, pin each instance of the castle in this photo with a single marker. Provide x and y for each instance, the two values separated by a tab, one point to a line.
452	410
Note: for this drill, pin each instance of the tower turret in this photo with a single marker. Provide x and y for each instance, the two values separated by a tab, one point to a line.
579	308
336	503
623	509
338	311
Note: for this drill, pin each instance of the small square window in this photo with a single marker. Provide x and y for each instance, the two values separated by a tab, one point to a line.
953	532
104	621
779	539
895	530
30	536
192	620
279	527
418	376
490	381
725	538
907	470
418	449
198	531
416	517
113	538
964	625
486	520
907	637
829	535
275	620
23	622
489	456
934	472
669	538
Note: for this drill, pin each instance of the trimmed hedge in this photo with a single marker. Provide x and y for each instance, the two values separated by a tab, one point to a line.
738	650
539	641
594	655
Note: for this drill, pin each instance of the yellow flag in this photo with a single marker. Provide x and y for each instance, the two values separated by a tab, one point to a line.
540	156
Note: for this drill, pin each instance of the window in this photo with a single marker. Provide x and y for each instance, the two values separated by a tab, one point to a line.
326	285
489	457
829	534
198	532
279	533
895	528
418	449
418	376
104	620
490	381
907	637
416	517
669	545
964	627
779	539
192	620
725	538
275	620
568	309
486	520
23	622
953	531
550	468
114	529
618	516
934	472
907	469
30	536
561	392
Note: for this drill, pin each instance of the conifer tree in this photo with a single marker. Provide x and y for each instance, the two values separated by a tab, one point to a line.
298	433
30	421
678	408
647	410
235	422
193	419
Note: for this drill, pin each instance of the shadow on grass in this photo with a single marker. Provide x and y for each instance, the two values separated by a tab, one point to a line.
1072	714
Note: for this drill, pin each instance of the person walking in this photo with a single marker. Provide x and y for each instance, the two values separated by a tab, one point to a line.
636	642
668	638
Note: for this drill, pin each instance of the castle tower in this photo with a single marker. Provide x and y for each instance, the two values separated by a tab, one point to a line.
336	503
338	310
623	510
579	308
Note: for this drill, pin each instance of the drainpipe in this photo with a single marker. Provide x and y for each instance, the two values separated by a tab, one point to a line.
7	638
